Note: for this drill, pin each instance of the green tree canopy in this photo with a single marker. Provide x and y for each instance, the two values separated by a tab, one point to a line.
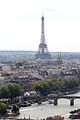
14	90
10	90
4	92
3	108
58	85
15	109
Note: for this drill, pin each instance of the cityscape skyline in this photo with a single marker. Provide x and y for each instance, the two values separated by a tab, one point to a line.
20	25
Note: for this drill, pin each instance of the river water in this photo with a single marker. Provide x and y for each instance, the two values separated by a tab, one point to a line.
44	110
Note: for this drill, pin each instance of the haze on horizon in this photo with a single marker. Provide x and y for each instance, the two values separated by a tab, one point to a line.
20	24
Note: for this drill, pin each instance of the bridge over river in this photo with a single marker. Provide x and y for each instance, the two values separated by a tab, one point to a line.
71	98
53	99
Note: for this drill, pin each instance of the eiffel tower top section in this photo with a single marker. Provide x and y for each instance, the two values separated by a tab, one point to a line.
43	50
42	31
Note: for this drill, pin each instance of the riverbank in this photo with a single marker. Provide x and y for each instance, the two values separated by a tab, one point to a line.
72	91
57	117
45	109
15	119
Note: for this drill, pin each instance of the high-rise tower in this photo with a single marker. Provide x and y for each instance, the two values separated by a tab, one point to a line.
43	50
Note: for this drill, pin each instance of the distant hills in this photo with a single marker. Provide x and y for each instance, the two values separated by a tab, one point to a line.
15	53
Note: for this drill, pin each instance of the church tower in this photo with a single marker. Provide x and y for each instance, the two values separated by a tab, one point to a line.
59	59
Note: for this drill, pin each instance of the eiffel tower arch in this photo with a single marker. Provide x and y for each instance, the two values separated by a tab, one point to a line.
42	52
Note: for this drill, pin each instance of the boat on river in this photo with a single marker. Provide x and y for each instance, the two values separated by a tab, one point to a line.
24	104
56	117
51	102
75	114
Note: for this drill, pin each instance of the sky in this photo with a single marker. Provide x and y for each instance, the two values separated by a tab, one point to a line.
20	24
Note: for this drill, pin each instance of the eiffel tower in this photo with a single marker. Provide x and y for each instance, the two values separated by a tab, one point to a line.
43	50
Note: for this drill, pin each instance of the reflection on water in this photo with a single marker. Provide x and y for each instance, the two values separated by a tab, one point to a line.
45	110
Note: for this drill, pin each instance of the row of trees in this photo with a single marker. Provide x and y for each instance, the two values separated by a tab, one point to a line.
10	90
56	85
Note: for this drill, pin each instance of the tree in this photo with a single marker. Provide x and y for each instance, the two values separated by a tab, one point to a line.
10	90
3	108
44	87
4	92
72	83
14	90
15	109
4	101
19	64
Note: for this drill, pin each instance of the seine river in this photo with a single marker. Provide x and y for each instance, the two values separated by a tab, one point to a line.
45	109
